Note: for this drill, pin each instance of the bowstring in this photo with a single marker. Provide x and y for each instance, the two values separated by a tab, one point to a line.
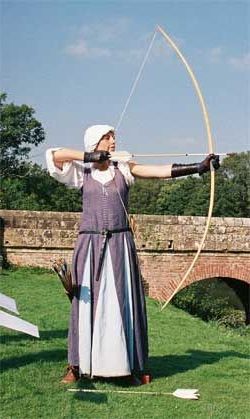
136	81
132	90
122	114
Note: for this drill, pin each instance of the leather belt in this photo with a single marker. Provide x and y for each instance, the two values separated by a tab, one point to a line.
106	233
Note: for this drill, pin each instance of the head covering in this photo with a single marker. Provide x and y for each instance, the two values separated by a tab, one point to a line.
93	135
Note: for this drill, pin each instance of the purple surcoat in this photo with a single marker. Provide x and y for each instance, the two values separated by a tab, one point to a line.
108	326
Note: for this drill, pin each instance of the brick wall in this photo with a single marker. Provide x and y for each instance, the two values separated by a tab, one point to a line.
165	245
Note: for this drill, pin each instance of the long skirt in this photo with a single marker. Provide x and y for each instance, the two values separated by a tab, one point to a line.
108	326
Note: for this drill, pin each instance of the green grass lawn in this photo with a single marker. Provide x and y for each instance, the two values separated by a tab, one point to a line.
185	352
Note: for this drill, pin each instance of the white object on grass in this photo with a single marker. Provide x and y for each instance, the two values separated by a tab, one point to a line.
14	323
8	303
182	393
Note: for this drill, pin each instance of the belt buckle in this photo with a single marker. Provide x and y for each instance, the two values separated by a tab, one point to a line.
106	232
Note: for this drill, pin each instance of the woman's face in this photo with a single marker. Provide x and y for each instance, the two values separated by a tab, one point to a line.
107	142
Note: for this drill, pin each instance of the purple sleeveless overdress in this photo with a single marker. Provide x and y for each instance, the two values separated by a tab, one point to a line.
108	326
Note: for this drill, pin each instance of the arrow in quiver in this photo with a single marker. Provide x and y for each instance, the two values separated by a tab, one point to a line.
61	267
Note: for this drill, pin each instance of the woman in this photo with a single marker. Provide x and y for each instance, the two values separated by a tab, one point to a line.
108	327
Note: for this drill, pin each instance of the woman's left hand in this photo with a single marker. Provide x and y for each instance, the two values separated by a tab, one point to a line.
204	166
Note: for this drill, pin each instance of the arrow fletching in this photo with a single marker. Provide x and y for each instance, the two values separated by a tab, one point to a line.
63	271
121	156
191	394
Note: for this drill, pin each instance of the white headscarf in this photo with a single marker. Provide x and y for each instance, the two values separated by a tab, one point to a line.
93	135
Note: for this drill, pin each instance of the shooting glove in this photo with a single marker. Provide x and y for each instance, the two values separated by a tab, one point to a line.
190	169
96	156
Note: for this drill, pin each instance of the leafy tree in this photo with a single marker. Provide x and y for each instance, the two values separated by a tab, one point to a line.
28	186
38	191
25	185
190	196
213	299
19	131
187	196
143	196
233	187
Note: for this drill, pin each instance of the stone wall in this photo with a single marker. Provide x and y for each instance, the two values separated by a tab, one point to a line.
165	244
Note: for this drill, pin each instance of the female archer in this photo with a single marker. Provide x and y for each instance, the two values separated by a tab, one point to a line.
108	326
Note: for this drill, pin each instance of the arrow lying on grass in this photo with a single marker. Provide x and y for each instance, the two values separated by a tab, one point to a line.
182	393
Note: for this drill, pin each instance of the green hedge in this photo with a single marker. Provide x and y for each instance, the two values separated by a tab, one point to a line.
212	300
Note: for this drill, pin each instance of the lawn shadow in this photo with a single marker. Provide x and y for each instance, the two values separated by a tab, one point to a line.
93	384
24	360
168	365
92	397
164	366
44	335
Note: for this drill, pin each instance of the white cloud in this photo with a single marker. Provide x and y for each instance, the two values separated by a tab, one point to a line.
240	63
81	49
133	54
215	54
160	49
92	40
108	30
95	40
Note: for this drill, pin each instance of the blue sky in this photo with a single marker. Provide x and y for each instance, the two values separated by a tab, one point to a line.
75	62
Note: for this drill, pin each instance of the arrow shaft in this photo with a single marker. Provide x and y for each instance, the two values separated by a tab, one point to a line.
150	393
178	154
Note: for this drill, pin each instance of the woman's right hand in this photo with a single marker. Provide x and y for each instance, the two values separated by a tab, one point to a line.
96	156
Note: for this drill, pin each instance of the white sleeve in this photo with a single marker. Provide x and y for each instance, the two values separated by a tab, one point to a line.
125	170
71	173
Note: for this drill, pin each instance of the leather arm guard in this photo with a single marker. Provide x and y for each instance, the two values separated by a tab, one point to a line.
190	169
